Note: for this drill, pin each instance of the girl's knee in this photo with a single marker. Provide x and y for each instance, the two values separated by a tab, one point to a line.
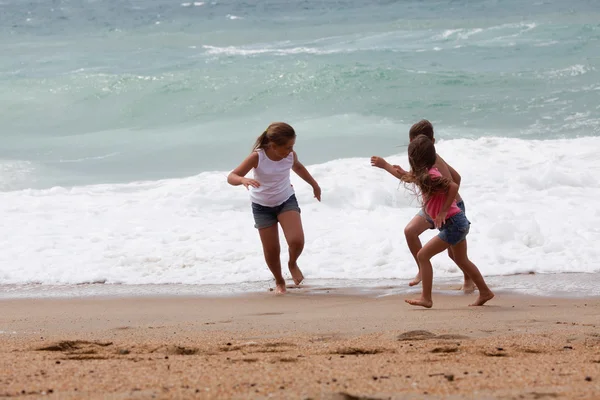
410	232
296	243
462	261
422	256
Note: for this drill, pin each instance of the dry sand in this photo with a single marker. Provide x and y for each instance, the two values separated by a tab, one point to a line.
300	346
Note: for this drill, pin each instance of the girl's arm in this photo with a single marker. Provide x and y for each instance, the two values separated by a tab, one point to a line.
395	170
450	196
236	177
303	173
447	170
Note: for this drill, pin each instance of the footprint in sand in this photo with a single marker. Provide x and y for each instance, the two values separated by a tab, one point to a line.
416	335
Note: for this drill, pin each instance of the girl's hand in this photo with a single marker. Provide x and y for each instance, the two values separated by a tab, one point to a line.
440	219
378	162
250	182
317	192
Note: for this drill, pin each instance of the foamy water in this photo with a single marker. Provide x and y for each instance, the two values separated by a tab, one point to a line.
532	205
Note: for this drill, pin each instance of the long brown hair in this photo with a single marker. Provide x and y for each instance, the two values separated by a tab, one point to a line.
422	156
279	133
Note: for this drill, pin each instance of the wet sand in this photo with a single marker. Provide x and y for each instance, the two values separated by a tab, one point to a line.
332	345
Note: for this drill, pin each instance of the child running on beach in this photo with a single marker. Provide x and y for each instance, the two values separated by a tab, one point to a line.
421	222
438	196
272	196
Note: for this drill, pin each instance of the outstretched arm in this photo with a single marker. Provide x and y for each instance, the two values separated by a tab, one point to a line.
395	170
303	173
236	177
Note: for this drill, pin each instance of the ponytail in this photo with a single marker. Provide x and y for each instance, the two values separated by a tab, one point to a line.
278	133
261	141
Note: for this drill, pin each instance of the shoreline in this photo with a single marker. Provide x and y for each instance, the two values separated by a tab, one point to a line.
563	285
300	346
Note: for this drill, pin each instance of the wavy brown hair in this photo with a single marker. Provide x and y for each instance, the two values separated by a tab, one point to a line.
422	156
279	133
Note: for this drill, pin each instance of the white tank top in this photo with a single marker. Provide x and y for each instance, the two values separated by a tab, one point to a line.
274	178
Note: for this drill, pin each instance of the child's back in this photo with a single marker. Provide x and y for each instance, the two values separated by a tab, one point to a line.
448	172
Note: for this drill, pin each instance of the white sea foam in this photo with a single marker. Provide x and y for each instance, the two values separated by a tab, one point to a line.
572	70
254	50
532	205
394	41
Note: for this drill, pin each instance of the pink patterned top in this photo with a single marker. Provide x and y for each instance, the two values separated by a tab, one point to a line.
434	204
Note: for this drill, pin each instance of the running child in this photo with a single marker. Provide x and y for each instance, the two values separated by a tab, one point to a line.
438	196
273	199
421	222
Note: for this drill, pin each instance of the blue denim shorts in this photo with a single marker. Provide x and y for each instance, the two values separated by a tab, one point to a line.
421	213
265	217
455	229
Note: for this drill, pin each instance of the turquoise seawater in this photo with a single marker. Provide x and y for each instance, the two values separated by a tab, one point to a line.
118	91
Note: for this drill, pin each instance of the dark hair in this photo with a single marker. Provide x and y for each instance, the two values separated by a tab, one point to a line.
279	133
423	127
422	156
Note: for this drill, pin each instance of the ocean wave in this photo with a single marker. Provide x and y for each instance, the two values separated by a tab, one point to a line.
528	202
392	41
572	70
251	51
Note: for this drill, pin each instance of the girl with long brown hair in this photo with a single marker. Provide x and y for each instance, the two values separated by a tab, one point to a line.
438	195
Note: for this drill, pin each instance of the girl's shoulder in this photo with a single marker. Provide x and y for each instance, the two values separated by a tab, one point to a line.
254	158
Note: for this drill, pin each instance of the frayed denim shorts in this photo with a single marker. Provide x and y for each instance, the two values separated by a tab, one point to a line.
455	229
265	217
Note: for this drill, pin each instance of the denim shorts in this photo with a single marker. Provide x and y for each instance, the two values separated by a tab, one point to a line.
265	217
455	229
421	213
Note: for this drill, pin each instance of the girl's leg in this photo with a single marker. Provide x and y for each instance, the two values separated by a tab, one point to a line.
461	258
433	247
415	227
270	241
413	230
291	223
468	286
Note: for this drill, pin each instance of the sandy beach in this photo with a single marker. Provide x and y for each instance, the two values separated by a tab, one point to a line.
327	345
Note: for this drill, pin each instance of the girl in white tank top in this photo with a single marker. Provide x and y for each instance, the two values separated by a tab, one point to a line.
272	195
274	177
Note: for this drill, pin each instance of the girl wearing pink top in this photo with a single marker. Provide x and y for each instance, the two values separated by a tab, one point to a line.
438	196
272	196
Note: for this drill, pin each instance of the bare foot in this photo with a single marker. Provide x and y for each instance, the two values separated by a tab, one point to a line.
468	287
280	288
420	302
296	274
483	298
416	280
